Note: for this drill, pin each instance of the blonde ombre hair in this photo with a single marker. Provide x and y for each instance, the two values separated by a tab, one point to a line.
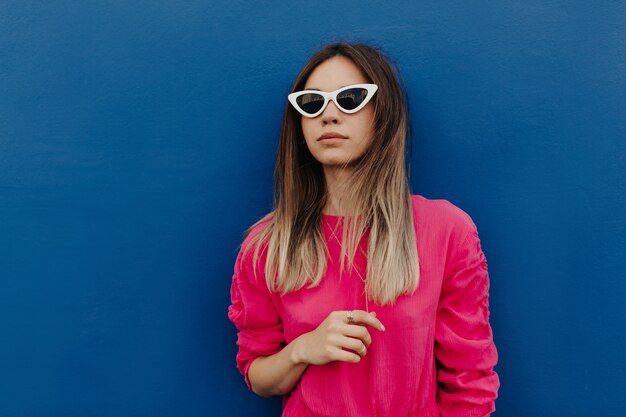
292	235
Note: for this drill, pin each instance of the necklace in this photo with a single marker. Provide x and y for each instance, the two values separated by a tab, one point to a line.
355	270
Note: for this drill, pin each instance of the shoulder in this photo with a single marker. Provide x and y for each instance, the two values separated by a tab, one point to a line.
252	233
253	245
442	216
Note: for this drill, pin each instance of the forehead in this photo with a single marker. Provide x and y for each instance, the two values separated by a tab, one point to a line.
334	73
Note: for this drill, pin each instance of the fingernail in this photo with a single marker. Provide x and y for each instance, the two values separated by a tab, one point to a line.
374	313
383	327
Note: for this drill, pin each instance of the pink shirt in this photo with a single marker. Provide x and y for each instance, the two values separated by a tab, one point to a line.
437	355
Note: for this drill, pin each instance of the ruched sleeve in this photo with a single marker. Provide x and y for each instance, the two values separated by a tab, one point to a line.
253	313
464	347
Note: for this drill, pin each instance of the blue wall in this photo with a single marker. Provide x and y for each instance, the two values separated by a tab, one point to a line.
137	142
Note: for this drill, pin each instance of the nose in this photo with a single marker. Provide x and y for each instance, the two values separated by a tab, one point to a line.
331	114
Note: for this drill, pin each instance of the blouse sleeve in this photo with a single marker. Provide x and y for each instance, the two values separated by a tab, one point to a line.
253	313
464	347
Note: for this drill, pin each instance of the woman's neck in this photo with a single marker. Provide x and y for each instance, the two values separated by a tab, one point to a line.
338	190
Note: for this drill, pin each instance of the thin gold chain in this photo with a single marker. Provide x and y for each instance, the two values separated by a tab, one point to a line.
355	270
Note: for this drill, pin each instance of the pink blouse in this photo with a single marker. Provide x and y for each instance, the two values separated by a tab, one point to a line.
437	355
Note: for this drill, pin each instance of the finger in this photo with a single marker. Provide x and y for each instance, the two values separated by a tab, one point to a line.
357	331
355	345
360	316
339	354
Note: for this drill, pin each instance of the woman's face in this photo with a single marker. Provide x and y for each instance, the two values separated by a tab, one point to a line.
354	131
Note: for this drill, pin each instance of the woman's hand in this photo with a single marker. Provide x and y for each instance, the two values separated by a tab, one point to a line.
327	342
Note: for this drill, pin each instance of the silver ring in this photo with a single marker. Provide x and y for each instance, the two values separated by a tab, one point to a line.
349	315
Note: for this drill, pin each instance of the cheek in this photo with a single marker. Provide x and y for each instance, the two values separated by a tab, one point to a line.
309	132
307	128
366	125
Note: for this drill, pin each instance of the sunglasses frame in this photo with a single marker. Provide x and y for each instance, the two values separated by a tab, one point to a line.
371	89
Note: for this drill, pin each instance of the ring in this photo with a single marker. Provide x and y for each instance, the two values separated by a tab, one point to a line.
349	315
362	350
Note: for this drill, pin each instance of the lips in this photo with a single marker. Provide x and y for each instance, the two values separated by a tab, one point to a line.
332	135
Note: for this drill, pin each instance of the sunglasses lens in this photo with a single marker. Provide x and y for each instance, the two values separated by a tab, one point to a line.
310	103
352	98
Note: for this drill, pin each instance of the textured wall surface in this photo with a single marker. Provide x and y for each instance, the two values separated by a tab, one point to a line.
137	142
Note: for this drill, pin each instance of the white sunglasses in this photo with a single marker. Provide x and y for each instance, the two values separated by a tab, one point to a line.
349	99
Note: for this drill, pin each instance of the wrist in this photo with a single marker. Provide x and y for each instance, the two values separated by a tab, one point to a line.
296	355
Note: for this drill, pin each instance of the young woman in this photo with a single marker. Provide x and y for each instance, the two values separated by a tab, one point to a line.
354	297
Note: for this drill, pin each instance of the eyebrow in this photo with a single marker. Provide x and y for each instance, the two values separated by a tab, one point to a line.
317	89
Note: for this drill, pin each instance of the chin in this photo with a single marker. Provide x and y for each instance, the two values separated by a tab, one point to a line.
335	156
338	162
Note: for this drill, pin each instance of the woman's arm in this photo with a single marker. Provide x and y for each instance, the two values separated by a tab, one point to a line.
278	374
464	347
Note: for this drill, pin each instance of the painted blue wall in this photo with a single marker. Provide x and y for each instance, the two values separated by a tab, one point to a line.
137	142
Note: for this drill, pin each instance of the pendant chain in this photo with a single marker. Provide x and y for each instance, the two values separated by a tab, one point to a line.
355	270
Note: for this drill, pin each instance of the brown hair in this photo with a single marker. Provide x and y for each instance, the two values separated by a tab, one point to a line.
296	249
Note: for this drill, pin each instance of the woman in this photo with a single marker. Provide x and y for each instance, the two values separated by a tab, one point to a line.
335	309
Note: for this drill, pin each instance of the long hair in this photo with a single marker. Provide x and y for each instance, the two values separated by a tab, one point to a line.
292	234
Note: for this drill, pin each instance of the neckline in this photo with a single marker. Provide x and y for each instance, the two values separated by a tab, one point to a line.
332	218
